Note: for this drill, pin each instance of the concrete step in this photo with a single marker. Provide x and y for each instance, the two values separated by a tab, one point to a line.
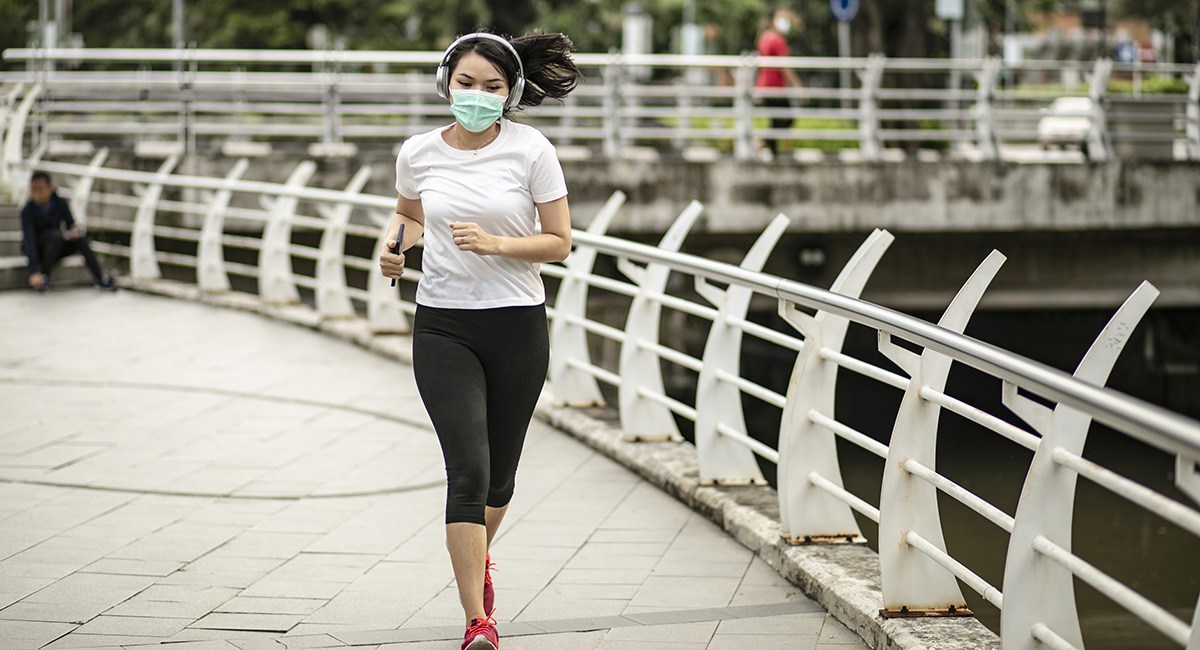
10	231
10	219
14	273
10	243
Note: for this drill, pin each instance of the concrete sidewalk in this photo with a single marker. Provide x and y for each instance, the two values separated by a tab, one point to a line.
175	472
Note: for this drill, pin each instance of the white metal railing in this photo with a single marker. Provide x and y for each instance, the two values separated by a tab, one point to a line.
182	99
919	574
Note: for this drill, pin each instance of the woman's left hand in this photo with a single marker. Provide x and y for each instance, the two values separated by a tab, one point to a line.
470	237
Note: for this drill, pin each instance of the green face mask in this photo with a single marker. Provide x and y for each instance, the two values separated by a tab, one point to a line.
476	110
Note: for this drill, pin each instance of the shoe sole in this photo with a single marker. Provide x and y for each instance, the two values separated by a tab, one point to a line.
481	643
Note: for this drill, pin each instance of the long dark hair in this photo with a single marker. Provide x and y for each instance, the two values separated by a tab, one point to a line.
549	69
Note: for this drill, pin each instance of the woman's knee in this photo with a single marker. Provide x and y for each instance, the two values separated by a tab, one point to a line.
500	493
466	494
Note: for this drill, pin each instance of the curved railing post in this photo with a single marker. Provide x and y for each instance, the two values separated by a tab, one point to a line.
985	116
913	583
807	513
210	272
611	105
143	261
1192	128
640	370
384	314
82	191
14	142
1187	476
330	81
719	401
1098	140
868	108
332	299
743	108
568	339
11	98
276	284
1194	642
1037	590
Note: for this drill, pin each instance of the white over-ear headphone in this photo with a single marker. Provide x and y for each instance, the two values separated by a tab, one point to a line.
443	70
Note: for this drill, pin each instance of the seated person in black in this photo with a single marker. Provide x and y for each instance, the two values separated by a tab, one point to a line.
49	233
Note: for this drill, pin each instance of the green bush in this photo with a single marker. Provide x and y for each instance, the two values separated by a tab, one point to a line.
823	124
800	124
1155	85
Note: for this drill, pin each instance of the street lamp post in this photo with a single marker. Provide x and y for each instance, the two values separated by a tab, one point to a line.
177	24
844	11
44	24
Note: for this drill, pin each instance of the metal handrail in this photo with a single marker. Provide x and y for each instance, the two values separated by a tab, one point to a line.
1159	427
611	108
1148	422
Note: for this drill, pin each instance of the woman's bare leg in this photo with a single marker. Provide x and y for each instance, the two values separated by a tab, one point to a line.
467	544
493	517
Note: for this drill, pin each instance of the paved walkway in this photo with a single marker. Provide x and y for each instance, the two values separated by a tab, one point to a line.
175	472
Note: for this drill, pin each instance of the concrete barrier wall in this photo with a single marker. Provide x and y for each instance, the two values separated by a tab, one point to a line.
1077	235
912	196
945	196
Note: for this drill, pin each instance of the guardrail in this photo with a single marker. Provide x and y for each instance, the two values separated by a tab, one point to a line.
919	575
192	99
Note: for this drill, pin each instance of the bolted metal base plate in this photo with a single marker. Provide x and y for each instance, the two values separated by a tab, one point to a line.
650	438
904	612
584	405
748	482
812	540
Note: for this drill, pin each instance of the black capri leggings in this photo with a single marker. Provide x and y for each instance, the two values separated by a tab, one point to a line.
480	372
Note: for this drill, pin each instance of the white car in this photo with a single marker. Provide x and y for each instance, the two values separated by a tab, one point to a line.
1066	123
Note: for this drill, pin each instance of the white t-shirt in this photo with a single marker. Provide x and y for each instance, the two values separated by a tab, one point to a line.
496	188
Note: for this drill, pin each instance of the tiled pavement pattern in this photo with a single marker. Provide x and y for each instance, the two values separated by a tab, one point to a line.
174	472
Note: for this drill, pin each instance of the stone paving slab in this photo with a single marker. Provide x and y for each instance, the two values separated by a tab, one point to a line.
172	473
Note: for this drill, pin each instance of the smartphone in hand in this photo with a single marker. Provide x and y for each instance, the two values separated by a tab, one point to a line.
395	250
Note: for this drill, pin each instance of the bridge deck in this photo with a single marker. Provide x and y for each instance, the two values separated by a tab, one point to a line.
173	472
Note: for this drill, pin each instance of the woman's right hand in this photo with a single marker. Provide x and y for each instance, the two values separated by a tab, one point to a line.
391	265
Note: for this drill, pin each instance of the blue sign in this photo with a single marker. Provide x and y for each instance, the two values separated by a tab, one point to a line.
949	9
1126	53
844	10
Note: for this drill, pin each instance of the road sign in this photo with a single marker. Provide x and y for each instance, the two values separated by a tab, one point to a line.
949	9
844	10
1126	53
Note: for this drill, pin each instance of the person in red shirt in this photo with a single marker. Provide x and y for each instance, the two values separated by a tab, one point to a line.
772	41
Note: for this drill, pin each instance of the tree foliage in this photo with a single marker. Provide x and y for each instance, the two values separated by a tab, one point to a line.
14	16
1171	16
894	27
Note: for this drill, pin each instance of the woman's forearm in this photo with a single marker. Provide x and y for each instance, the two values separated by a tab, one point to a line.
543	247
413	230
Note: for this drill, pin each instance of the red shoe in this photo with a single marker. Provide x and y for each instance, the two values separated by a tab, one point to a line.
481	635
489	593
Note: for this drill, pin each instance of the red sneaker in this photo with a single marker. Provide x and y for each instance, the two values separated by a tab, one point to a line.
489	593
481	635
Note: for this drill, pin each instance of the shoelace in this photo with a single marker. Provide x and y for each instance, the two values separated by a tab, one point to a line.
477	625
487	571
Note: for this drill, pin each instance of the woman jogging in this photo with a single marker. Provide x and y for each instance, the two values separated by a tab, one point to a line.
489	196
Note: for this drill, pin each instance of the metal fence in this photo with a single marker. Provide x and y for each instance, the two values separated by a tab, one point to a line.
181	101
920	575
